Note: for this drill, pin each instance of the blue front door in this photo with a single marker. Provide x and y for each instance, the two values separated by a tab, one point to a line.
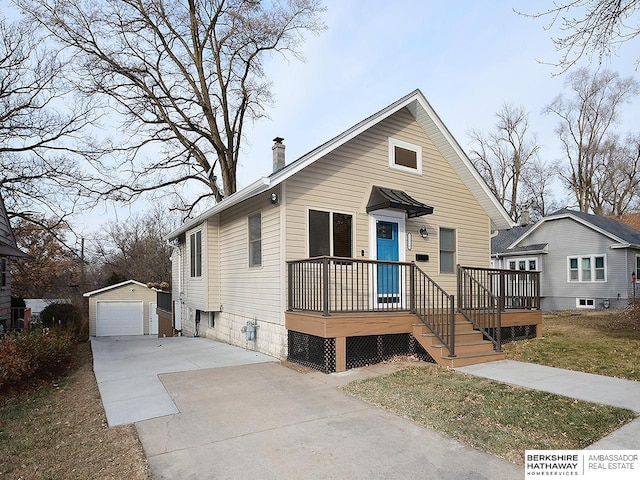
388	275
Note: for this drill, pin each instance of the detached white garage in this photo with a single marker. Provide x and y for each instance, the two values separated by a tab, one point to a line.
128	308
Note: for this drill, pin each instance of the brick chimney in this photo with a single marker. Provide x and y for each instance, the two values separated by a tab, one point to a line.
278	154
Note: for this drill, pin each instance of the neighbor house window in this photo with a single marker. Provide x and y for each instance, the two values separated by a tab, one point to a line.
405	156
3	271
588	268
447	250
195	243
330	234
585	303
523	264
255	240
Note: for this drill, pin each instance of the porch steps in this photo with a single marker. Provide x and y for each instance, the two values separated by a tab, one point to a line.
471	347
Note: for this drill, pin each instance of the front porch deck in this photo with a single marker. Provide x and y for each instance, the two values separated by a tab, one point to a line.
337	300
516	324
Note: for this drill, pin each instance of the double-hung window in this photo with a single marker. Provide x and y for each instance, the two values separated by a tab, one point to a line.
447	250
255	240
3	271
330	234
587	268
195	257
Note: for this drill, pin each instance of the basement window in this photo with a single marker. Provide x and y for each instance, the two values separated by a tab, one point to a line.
585	303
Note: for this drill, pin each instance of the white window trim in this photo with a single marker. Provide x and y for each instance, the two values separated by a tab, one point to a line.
592	257
259	212
586	307
331	212
393	142
523	259
191	255
455	258
388	216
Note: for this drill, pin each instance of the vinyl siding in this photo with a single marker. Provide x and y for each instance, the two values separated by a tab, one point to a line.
196	288
252	292
122	294
212	253
342	181
568	238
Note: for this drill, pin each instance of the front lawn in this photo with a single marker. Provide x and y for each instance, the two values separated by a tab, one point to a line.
504	420
601	342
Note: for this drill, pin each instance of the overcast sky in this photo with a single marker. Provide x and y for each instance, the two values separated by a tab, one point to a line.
467	57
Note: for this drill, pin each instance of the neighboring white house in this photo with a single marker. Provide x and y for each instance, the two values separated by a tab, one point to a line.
8	251
396	186
586	261
127	308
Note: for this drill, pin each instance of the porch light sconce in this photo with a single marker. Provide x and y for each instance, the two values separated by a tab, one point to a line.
423	232
273	198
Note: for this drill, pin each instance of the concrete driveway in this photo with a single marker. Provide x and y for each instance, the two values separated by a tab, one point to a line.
228	413
127	370
269	422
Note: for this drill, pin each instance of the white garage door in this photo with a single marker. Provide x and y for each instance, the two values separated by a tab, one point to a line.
119	318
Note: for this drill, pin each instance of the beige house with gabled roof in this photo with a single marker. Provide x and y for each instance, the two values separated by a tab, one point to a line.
395	195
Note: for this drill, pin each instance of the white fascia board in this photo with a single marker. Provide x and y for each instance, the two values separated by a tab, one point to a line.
257	187
117	285
542	251
463	165
341	139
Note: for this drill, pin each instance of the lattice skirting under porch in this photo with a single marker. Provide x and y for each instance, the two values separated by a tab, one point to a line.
320	353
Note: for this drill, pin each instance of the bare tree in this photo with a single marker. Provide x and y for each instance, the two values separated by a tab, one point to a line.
134	249
44	133
617	184
586	119
591	27
50	269
504	156
185	74
538	189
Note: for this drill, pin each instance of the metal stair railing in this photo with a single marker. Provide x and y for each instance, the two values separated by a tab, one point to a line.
434	307
479	305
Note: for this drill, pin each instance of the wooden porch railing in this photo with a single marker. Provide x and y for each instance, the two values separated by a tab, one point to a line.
483	293
347	285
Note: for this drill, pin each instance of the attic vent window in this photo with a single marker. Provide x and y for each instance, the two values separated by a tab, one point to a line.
405	156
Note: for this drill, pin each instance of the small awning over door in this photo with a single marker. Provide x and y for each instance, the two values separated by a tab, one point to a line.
382	198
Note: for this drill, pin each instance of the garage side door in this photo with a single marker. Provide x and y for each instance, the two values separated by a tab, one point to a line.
119	318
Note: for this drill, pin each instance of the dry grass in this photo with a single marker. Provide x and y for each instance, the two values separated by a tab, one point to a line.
494	417
505	420
601	342
60	432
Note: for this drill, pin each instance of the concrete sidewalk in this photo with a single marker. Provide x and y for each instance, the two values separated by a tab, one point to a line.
583	386
127	370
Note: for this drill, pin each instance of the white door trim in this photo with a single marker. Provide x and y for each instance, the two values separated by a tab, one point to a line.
388	216
394	216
